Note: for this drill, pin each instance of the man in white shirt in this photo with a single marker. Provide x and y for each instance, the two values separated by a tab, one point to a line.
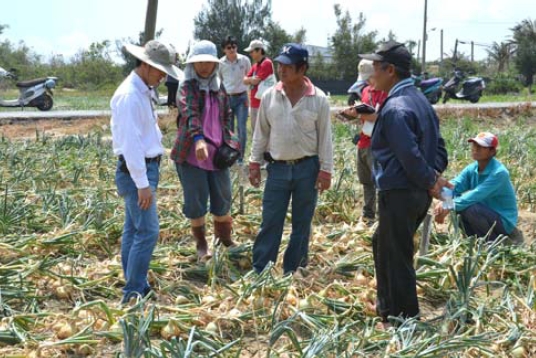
137	144
294	128
233	68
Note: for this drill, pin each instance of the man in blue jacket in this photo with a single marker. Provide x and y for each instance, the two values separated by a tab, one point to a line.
409	157
484	196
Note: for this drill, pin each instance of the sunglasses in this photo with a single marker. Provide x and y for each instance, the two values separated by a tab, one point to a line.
230	47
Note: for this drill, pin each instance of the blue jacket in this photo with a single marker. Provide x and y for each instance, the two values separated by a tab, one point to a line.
406	144
491	188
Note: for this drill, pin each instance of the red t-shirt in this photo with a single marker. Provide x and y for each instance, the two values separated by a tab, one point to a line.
262	69
373	97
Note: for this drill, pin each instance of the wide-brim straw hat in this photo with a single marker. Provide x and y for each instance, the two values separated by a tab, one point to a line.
157	55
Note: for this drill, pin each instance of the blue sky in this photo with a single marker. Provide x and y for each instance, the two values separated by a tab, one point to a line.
65	26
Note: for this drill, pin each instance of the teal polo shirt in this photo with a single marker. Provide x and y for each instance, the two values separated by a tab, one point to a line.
492	188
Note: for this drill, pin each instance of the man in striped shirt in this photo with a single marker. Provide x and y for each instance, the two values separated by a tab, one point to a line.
294	128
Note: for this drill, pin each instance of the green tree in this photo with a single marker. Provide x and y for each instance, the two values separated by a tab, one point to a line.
411	44
461	61
244	19
275	36
524	40
2	28
348	41
93	67
26	63
319	69
500	54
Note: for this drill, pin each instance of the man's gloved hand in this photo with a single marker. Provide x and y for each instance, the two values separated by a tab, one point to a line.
255	174
323	181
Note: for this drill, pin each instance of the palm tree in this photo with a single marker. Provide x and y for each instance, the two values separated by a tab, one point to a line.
524	40
500	54
411	44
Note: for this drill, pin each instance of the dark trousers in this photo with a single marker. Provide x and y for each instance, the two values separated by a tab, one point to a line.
364	174
478	220
172	93
400	214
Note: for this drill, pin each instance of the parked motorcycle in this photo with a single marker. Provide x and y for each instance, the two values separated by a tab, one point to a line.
355	92
471	88
33	93
430	87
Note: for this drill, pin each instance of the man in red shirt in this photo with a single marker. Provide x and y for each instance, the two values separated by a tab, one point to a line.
261	69
375	98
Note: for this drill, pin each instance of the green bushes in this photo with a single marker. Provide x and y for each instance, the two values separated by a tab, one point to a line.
504	83
90	69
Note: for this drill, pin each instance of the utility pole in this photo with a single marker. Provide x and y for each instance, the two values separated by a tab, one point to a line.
472	51
455	52
441	48
150	20
418	49
424	37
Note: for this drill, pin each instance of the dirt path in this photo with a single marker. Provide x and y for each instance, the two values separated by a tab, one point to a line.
52	127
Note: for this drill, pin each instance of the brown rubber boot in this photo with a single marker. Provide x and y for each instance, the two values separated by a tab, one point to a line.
222	232
199	234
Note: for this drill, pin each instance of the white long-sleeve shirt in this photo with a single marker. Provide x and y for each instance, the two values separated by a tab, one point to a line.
135	131
294	132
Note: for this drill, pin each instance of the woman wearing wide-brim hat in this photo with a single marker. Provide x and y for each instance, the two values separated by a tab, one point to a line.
203	126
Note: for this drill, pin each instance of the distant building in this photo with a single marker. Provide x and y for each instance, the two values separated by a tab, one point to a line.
324	51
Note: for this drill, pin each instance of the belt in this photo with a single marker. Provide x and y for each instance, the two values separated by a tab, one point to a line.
236	94
147	160
292	161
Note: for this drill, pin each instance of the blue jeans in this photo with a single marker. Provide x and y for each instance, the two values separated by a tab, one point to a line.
478	220
140	232
239	107
199	185
285	182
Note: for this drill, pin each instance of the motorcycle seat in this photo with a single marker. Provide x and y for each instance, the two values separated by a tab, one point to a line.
30	83
473	80
431	82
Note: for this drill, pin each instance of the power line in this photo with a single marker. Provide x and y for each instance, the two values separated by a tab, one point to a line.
477	22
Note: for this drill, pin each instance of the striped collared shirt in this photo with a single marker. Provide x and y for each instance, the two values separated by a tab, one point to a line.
289	132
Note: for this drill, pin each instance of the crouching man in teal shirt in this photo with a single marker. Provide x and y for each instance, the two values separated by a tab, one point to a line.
484	196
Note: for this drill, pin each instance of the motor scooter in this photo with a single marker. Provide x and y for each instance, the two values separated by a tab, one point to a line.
430	87
355	92
33	93
471	88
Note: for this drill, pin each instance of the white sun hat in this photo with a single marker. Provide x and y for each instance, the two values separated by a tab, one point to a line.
203	51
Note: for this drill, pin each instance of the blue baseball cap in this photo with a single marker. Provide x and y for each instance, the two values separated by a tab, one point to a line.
292	53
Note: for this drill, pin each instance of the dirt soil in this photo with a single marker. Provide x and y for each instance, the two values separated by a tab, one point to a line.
28	129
